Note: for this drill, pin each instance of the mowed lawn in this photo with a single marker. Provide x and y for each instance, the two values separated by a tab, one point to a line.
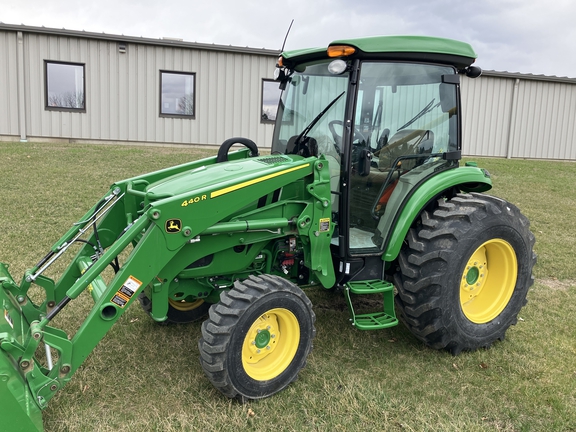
147	377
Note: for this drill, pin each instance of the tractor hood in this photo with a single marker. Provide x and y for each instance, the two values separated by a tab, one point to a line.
221	178
190	202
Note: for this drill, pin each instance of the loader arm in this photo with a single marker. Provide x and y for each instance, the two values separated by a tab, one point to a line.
149	229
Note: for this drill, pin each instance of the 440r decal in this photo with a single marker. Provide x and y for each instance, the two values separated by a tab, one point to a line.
194	200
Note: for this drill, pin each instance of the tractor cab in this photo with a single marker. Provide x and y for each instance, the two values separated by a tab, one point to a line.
385	121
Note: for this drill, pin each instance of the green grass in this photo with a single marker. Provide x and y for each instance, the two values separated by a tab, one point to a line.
146	377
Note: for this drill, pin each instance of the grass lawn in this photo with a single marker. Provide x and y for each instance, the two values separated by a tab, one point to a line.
147	377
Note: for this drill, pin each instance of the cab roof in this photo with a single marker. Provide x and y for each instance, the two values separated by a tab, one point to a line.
414	48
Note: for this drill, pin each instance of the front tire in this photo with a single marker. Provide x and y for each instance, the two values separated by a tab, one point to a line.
257	338
465	271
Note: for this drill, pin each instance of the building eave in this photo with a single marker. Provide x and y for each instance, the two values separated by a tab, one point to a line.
530	77
165	42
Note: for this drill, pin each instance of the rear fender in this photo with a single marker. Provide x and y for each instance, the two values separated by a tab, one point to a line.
467	179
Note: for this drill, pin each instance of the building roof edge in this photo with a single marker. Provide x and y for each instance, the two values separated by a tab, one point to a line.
168	42
528	76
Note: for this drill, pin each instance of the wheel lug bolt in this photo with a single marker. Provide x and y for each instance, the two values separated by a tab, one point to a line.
257	351
253	342
268	347
268	328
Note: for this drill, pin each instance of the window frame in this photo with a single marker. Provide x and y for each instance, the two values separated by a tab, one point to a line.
262	120
170	115
49	107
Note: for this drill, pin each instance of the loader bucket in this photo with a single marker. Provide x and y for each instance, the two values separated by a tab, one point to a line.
18	410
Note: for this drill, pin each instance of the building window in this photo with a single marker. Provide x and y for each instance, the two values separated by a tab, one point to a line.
177	94
65	86
270	97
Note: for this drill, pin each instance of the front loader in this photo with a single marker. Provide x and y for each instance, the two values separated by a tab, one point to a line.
362	193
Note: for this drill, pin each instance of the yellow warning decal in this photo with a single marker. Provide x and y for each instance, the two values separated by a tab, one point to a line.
8	318
254	181
126	291
324	225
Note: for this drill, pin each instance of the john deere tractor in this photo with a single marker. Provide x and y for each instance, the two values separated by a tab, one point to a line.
362	193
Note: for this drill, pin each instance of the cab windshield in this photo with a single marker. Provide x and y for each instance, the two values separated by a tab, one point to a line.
310	113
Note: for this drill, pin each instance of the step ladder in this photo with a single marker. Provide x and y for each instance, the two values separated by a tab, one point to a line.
376	320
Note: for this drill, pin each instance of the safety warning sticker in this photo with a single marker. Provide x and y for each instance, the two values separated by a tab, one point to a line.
126	291
119	300
324	224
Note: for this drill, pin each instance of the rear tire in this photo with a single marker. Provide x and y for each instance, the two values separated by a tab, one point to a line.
257	338
465	271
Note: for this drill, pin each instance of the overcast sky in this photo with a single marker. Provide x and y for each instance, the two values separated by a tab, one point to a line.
527	36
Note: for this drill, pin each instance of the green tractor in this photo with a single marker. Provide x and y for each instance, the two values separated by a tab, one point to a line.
362	194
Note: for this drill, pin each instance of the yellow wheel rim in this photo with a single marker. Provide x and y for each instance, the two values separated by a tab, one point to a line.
184	305
488	281
270	344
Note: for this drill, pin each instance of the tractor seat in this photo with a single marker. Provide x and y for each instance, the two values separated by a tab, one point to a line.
404	143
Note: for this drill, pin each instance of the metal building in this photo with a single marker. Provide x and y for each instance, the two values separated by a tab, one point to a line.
88	86
81	86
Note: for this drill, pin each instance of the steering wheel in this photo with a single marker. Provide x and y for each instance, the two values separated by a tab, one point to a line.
338	139
225	146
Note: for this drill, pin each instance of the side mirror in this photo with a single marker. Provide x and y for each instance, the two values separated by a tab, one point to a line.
473	71
364	162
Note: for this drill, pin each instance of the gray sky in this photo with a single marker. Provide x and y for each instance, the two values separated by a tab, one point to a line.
528	36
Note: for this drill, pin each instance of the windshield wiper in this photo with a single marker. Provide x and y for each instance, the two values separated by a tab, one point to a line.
425	110
316	119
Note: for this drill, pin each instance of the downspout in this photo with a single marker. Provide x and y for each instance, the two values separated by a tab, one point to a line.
21	95
512	120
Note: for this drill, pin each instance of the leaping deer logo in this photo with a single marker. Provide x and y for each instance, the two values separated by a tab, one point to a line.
173	225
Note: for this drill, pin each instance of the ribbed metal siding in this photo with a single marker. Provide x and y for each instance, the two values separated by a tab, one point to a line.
123	90
544	121
486	105
8	84
519	118
39	121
